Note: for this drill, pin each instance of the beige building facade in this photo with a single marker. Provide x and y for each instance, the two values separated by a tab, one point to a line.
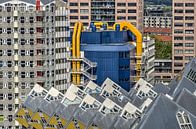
112	11
184	46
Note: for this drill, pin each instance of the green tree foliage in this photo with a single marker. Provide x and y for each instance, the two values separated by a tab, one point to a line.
163	50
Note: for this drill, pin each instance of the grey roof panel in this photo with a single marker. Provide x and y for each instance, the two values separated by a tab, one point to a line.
161	88
187	100
162	115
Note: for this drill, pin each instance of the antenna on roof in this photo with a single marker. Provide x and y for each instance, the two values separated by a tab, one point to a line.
38	5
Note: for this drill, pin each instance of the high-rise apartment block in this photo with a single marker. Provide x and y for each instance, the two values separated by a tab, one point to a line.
112	11
33	49
184	47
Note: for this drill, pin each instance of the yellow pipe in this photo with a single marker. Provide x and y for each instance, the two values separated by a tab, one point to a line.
80	26
74	52
138	35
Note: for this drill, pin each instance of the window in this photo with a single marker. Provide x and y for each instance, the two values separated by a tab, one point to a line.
32	74
31	41
132	11
121	11
73	10
189	18
178	51
188	57
22	19
189	4
10	118
9	30
83	4
31	19
1	63
9	63
189	11
22	30
1	96
9	41
9	96
22	74
178	4
178	24
9	52
84	17
31	30
22	63
189	44
178	11
184	120
178	38
10	107
9	74
84	11
189	38
121	4
8	19
22	52
73	4
1	107
178	57
73	17
189	24
189	51
132	17
178	44
132	4
22	41
178	17
121	17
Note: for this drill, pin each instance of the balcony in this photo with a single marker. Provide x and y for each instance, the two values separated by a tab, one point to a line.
16	90
16	101
16	68
16	57
16	46
15	13
16	79
15	35
15	24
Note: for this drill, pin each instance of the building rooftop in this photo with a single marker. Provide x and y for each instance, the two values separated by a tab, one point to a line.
110	107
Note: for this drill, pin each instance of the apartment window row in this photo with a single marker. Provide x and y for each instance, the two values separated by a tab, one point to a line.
24	7
8	96
182	11
76	4
183	44
128	4
21	30
8	107
61	71
61	82
182	18
11	63
182	4
180	31
11	74
21	53
23	85
179	51
191	38
59	29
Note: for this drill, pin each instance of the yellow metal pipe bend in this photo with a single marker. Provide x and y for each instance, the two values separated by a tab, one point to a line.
74	51
78	67
138	35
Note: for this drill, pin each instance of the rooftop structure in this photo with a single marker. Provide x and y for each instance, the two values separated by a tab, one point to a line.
109	106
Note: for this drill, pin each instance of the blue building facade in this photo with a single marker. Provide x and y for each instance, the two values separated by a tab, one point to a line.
111	50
